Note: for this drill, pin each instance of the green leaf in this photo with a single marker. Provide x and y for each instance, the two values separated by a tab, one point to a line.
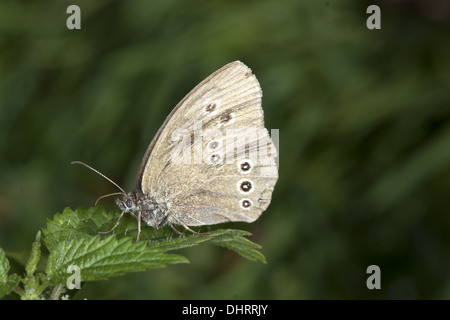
7	283
101	259
77	224
234	240
4	266
72	239
228	238
34	256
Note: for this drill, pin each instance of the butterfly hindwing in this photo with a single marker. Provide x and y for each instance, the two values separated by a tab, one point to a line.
212	160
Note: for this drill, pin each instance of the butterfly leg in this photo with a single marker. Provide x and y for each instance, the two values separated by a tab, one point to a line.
133	215
186	227
115	226
178	232
139	226
194	232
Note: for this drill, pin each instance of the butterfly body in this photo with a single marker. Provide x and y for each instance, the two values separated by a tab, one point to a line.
153	213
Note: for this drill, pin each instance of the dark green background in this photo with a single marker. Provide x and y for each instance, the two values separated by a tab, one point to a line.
364	120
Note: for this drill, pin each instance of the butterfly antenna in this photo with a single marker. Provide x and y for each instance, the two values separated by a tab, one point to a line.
105	196
89	167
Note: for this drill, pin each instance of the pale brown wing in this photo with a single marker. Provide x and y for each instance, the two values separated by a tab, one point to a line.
182	166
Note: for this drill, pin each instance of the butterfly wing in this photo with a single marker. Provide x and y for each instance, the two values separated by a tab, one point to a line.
212	160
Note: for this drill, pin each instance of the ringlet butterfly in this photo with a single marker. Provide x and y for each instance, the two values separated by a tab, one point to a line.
212	160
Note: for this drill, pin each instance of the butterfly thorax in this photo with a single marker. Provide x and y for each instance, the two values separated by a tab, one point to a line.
153	213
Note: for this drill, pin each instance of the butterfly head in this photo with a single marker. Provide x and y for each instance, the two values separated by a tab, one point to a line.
127	204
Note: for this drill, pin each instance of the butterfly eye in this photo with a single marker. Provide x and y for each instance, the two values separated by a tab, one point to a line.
129	203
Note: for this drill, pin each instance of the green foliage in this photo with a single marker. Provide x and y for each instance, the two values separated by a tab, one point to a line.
72	239
102	259
7	281
364	124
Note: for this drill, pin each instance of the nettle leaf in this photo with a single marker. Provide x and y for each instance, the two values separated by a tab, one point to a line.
4	266
7	282
100	259
234	240
228	238
77	224
72	239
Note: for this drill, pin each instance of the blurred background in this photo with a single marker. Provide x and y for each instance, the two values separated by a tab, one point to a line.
364	120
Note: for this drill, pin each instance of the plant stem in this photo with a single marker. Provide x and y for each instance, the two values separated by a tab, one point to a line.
56	292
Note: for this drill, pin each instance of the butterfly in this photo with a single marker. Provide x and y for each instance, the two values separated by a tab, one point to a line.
211	161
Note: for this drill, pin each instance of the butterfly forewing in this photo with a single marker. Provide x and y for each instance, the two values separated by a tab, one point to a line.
212	160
